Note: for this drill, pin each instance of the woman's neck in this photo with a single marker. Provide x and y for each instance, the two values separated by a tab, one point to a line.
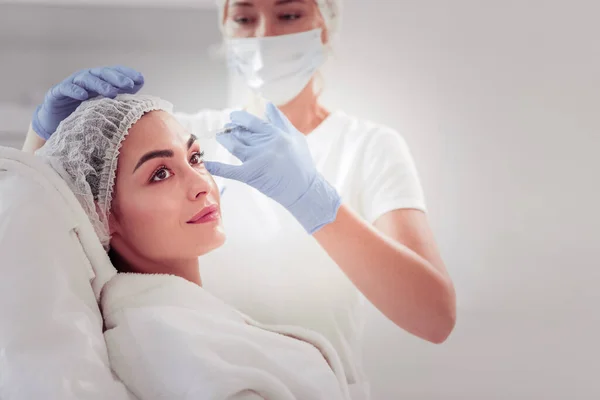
186	269
304	111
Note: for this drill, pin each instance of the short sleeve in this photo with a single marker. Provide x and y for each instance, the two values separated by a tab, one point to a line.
390	177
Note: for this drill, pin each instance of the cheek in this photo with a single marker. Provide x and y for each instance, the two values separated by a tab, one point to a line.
213	185
214	190
147	214
315	19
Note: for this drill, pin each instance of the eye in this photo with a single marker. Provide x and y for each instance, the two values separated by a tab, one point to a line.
197	158
161	174
242	20
290	16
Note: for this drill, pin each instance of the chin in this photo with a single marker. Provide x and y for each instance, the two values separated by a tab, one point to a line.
209	241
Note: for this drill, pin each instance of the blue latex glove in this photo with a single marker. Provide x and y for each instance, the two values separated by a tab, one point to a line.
277	162
64	98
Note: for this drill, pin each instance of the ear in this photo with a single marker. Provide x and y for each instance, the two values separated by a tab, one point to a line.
320	23
113	224
225	12
325	35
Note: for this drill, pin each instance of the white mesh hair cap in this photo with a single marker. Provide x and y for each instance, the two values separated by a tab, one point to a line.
85	148
330	10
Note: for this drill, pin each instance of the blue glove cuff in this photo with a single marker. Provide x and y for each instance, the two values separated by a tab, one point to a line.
318	206
37	127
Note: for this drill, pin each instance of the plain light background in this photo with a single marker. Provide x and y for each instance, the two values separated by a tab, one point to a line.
500	104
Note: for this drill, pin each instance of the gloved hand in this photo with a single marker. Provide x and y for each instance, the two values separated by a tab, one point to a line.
64	98
277	162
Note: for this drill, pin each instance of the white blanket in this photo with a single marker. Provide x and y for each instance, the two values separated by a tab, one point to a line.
170	339
51	342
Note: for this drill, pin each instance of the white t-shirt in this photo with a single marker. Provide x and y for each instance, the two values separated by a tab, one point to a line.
270	268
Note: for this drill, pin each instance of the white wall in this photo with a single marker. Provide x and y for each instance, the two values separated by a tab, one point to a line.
499	101
41	45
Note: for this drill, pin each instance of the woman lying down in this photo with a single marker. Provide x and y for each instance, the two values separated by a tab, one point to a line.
140	178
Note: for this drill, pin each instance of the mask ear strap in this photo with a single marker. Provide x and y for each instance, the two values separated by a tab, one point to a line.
318	83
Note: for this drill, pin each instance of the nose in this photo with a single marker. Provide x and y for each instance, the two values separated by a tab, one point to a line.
200	183
267	27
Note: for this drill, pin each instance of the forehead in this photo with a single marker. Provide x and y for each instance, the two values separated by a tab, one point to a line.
265	3
156	130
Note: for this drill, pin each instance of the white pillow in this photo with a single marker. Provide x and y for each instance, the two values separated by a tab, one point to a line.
52	268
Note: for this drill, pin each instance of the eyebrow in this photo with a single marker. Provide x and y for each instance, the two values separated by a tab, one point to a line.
191	140
241	4
152	155
277	3
162	153
281	2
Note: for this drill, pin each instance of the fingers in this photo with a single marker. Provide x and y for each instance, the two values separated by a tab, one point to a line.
235	146
227	128
248	121
92	83
276	121
68	90
227	171
277	118
136	77
109	81
113	77
104	81
242	134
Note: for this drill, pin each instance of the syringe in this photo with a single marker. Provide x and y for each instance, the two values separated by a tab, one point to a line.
223	131
218	132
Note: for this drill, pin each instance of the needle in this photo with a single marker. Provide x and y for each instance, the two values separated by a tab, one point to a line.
223	131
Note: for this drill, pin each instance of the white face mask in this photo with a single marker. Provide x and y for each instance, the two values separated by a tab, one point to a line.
277	67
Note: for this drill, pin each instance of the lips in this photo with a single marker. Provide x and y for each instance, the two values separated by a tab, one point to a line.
207	214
